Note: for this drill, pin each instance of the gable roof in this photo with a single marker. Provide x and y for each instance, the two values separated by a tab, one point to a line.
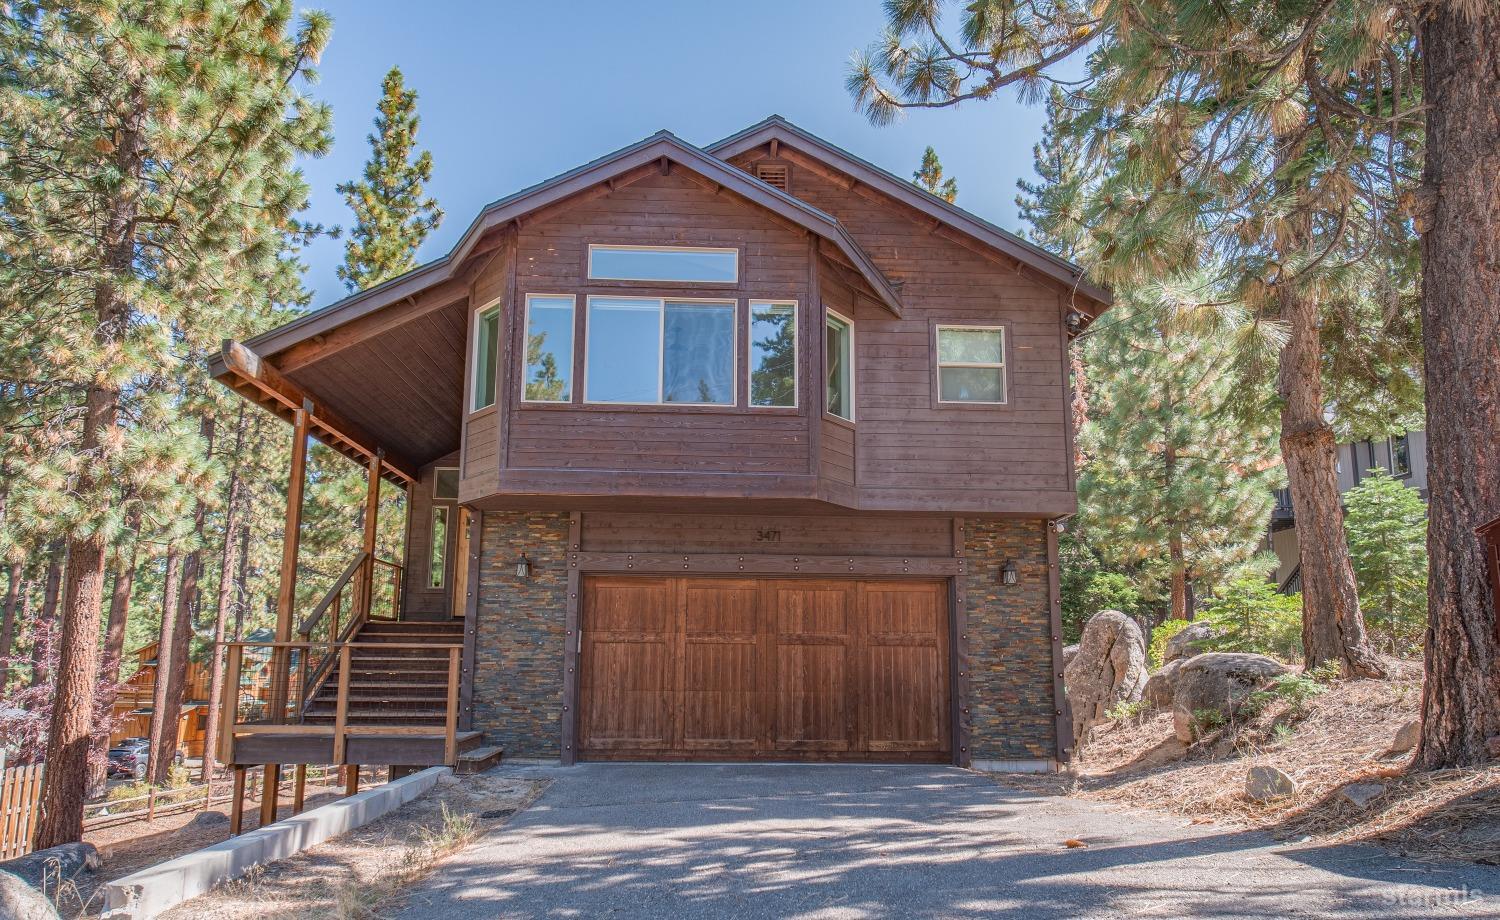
1028	253
659	146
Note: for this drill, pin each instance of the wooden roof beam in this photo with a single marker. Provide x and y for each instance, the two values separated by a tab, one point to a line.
247	368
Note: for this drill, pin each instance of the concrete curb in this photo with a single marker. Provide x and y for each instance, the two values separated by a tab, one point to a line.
149	892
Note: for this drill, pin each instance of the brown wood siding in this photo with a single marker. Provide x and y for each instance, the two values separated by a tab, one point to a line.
912	452
684	668
853	535
659	210
838	452
419	599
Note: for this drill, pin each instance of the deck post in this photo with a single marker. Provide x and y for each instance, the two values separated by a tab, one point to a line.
286	595
366	592
351	779
270	794
299	789
237	803
450	729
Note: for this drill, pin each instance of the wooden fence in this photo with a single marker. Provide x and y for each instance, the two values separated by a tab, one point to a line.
20	801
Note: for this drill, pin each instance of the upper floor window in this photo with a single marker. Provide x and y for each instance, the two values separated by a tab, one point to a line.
840	367
664	263
445	483
971	364
653	350
549	349
773	354
1400	456
486	354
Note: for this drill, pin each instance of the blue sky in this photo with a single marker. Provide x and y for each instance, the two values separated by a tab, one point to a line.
515	92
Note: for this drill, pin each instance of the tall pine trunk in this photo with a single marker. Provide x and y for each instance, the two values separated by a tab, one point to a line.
47	620
88	552
227	565
14	574
163	729
123	585
1333	629
1461	338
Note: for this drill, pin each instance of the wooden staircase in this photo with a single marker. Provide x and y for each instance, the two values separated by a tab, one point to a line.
401	685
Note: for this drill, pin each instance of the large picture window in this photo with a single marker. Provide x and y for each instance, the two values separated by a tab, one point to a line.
664	263
773	354
549	349
971	364
840	367
486	354
652	350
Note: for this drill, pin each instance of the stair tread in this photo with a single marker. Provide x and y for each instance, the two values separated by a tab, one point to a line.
481	753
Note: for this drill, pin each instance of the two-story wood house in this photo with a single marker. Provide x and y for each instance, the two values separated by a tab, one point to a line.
747	452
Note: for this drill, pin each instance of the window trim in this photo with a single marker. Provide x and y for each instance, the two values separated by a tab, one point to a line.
853	366
443	498
441	581
493	306
750	306
588	265
661	350
572	350
938	364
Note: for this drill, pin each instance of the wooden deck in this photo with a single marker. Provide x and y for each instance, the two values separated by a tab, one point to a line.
409	746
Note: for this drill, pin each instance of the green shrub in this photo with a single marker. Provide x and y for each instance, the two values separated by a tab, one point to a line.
1160	636
1249	615
1126	710
1296	690
1092	592
1209	719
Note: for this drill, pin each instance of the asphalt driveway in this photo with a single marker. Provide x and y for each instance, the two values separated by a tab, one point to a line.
815	841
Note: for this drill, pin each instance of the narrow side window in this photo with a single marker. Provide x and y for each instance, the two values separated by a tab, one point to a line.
840	367
486	355
438	562
773	354
549	349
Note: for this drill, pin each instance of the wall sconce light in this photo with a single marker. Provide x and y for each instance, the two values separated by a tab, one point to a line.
523	567
1008	575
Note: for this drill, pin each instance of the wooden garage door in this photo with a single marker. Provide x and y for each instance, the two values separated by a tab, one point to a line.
763	669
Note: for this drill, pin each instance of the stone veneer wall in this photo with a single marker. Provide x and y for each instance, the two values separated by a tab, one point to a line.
1010	642
518	672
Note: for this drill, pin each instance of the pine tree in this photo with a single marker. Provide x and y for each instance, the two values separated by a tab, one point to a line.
391	216
930	177
1387	526
1286	160
146	195
1174	487
1052	208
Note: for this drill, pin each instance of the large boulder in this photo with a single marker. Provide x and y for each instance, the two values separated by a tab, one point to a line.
1069	653
1191	640
1216	682
1109	668
20	901
1162	686
45	869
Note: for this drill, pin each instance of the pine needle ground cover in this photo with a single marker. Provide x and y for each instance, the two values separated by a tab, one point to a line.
1325	742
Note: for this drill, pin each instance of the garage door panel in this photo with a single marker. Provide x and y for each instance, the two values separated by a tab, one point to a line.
629	701
721	665
905	706
812	697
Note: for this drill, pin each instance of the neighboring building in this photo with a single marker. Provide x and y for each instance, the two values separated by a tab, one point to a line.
1404	456
747	452
135	703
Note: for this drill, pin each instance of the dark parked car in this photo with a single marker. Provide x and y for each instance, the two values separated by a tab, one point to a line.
128	758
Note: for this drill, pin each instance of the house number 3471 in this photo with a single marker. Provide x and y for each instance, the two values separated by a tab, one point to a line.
768	536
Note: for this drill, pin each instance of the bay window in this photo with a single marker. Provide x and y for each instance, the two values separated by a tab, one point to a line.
549	349
647	350
773	354
840	366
